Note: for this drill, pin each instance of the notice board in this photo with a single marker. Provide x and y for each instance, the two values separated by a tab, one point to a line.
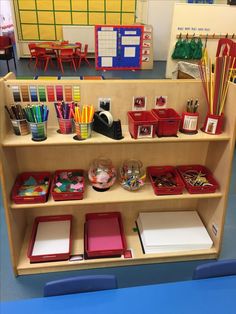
118	47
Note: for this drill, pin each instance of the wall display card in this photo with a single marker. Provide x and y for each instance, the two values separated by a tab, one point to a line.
139	103
145	59
146	51
146	44
147	29
147	36
172	231
160	102
130	40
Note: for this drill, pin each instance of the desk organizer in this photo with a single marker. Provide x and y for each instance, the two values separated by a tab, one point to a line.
168	121
31	187
165	180
142	124
198	179
104	235
68	185
51	239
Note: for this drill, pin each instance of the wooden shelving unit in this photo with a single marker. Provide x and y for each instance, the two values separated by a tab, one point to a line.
19	154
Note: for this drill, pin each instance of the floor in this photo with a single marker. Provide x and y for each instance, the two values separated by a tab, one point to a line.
30	286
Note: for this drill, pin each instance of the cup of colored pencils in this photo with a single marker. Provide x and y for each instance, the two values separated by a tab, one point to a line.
37	116
18	119
65	115
215	86
83	122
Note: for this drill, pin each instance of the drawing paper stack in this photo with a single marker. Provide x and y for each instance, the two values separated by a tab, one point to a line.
162	232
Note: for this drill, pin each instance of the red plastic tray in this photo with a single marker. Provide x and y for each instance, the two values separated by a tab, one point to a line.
63	196
30	199
54	256
168	121
157	171
199	189
140	122
104	235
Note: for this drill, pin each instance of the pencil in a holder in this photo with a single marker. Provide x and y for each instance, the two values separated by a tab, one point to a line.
20	127
213	124
83	130
38	131
65	126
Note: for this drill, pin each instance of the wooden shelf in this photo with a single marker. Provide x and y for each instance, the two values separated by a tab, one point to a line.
55	138
25	267
117	194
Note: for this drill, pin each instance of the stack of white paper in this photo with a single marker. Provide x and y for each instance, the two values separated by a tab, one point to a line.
172	231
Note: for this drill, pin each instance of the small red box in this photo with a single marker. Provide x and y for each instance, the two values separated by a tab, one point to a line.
50	251
142	124
198	189
104	235
168	121
64	196
155	171
21	178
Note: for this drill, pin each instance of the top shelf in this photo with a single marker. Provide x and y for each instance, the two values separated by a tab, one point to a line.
54	138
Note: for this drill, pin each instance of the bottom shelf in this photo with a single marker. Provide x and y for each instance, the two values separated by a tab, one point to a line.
24	267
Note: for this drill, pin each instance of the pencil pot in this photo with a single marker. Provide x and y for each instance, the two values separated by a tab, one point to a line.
189	123
83	130
20	127
213	124
39	131
65	126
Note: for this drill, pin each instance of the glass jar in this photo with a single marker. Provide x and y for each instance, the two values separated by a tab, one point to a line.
102	174
132	175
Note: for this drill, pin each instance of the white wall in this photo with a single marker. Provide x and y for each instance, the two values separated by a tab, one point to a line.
5	13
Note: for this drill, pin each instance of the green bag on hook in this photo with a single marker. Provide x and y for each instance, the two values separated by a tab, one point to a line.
178	48
197	54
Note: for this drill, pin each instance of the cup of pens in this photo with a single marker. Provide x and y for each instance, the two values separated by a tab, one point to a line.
83	122
18	120
189	121
37	116
65	114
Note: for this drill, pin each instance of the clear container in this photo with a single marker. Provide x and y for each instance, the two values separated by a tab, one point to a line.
132	175
102	174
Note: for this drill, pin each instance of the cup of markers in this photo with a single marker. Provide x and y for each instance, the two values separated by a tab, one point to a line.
83	120
37	116
65	114
18	119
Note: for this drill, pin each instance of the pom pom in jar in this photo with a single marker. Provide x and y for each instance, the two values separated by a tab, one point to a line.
132	175
102	174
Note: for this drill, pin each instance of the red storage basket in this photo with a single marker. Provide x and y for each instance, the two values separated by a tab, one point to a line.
65	196
199	189
168	121
21	178
97	251
155	171
53	256
142	120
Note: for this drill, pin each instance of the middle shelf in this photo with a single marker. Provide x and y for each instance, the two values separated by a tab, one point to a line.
117	194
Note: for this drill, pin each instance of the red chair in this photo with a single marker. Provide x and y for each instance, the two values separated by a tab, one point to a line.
77	52
42	57
32	51
83	56
65	42
66	55
50	52
6	50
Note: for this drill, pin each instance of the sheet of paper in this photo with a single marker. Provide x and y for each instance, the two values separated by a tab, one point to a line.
106	62
129	52
130	40
52	237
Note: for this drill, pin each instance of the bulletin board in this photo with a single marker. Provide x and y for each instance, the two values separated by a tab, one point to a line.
44	19
118	47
